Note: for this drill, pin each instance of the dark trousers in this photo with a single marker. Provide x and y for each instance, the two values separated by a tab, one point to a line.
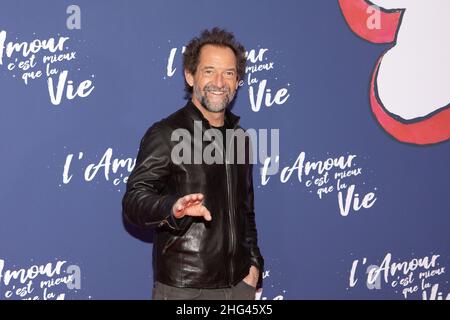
241	291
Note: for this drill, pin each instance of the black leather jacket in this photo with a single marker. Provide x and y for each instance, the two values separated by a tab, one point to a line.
191	252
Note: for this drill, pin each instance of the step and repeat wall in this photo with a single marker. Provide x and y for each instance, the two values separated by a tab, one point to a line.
350	103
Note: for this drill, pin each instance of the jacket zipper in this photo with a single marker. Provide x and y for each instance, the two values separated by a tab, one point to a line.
231	210
230	207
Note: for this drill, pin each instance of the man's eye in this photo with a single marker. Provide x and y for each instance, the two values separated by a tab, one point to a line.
208	72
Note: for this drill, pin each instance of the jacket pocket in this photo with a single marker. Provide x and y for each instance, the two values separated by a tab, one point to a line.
170	243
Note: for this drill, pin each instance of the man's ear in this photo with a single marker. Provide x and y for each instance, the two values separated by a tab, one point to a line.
189	78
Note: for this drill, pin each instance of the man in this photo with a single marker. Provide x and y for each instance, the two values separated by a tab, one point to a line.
205	242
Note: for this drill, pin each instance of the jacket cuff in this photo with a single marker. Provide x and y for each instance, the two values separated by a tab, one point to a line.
170	220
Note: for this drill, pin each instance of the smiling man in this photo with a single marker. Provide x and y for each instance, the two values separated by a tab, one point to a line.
205	242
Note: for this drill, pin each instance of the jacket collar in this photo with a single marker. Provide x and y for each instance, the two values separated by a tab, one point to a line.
231	120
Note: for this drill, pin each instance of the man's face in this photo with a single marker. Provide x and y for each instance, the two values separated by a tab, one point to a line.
215	81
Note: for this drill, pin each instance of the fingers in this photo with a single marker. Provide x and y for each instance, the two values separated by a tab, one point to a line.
198	211
192	199
191	205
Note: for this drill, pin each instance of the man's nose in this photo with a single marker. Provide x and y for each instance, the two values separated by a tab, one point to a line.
218	80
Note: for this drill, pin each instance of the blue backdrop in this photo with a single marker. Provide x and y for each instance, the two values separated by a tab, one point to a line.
65	162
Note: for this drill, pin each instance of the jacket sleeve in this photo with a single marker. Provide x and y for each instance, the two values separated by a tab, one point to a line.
251	234
145	203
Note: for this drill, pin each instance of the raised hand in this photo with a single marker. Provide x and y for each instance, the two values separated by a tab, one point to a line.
191	205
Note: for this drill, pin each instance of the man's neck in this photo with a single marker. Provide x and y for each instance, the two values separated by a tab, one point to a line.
215	119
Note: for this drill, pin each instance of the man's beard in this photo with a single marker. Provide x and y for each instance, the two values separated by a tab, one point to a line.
201	96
